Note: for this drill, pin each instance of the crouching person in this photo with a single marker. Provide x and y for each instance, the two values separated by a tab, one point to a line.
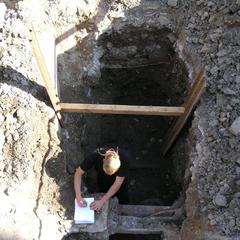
112	166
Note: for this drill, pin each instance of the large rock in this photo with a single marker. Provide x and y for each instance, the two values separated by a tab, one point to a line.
235	127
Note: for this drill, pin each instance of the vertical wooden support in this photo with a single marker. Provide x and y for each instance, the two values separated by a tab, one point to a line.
45	74
194	96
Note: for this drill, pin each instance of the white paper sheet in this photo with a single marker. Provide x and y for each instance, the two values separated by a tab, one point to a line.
84	215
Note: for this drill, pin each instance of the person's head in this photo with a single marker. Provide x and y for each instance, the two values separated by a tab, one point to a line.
111	162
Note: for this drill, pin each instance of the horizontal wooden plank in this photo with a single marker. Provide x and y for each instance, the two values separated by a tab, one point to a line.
122	109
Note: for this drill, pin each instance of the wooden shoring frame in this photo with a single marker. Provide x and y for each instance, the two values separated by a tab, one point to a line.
45	74
183	112
194	96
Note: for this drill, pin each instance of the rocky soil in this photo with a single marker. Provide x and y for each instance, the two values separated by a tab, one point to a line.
35	190
29	139
213	33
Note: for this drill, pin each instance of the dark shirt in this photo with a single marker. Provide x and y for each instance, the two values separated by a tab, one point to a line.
95	160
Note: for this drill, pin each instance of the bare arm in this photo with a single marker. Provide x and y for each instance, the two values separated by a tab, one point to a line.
97	205
114	188
77	186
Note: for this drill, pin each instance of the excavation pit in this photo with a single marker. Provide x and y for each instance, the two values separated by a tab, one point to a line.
139	66
120	52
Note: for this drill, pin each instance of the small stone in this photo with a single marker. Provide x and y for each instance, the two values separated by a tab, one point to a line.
226	231
228	91
237	79
195	40
192	19
2	140
237	195
109	45
6	191
235	127
211	19
238	182
2	118
232	142
2	166
213	222
7	168
213	37
205	49
15	136
190	25
172	3
235	101
210	216
231	223
225	189
237	159
213	123
223	119
220	200
152	139
20	114
10	119
199	2
222	53
204	16
9	138
3	9
214	70
229	108
210	4
163	20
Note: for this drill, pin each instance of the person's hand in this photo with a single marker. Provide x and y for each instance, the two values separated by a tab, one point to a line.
97	205
81	202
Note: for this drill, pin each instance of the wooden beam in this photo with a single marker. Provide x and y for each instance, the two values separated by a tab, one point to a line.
193	98
45	74
134	66
122	109
188	104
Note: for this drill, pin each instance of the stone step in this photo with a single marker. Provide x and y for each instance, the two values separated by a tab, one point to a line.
153	225
144	211
133	219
